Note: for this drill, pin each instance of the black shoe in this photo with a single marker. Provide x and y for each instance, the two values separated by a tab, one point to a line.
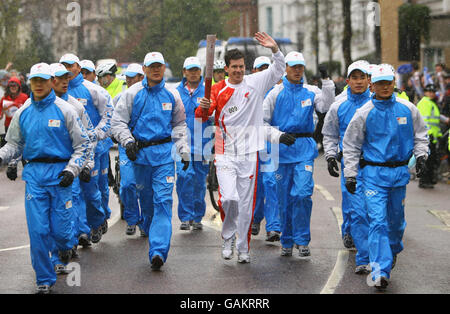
348	241
426	186
255	229
84	241
104	227
75	252
131	230
65	256
273	236
96	235
382	283
157	262
394	261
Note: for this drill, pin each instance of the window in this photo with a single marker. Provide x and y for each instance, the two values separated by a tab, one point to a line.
269	15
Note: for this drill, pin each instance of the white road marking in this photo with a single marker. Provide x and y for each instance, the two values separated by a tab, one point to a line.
337	273
341	263
325	193
15	248
2	208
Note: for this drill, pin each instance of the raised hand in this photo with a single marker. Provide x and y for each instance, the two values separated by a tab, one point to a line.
266	41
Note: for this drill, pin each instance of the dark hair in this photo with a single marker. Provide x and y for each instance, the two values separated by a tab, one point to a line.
233	54
8	90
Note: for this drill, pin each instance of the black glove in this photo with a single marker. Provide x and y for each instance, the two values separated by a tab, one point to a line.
323	71
421	166
85	175
11	173
350	184
287	139
132	151
333	168
67	179
185	162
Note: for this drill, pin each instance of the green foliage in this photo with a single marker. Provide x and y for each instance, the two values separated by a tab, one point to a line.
415	18
414	23
334	67
9	13
177	31
38	49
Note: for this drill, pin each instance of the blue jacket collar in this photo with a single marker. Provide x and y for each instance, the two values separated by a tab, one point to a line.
65	97
289	85
155	88
50	99
383	104
358	98
183	84
77	81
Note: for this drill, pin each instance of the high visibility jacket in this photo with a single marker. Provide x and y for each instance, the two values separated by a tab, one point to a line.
431	115
116	87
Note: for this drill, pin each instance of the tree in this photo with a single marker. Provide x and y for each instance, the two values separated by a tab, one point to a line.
347	36
171	27
414	23
9	19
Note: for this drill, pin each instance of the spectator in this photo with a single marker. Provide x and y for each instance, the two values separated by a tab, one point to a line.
12	100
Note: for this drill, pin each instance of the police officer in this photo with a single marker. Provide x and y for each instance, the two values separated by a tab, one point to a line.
147	120
191	184
97	103
290	108
355	225
432	117
385	133
49	135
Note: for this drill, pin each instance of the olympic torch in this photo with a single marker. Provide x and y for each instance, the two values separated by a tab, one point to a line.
210	50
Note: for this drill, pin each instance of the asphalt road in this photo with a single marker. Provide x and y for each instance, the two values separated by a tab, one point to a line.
119	263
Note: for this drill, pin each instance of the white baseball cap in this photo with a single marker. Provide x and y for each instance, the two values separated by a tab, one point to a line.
57	70
69	58
88	65
153	57
134	69
294	58
370	68
41	70
383	72
191	63
358	65
260	61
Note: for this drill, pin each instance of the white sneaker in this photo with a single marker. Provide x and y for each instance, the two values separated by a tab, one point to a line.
243	257
228	248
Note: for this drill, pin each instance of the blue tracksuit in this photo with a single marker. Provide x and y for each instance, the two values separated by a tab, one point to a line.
42	131
355	220
146	114
97	103
191	184
292	108
384	131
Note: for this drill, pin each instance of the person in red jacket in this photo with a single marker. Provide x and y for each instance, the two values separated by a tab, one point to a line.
12	100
